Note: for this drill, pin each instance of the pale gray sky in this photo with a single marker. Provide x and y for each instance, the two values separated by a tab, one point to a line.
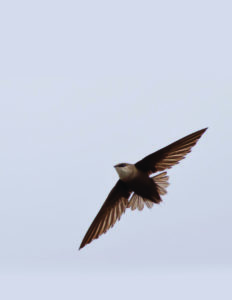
86	85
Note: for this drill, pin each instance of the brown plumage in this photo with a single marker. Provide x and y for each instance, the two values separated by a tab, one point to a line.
135	179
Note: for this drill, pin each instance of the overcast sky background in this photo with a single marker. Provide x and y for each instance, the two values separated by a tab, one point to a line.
88	84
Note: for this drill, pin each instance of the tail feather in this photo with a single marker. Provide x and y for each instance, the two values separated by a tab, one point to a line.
148	203
136	201
161	181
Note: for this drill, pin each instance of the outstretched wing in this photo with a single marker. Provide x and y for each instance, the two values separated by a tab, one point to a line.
111	211
169	156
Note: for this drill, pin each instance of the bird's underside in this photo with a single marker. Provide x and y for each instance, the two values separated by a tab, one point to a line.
140	188
139	199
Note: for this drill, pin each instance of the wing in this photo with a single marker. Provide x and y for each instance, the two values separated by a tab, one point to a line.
169	156
111	211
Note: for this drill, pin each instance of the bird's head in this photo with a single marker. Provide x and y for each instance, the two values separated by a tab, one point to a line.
125	171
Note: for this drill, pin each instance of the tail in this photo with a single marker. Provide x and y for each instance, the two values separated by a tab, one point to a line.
138	202
161	181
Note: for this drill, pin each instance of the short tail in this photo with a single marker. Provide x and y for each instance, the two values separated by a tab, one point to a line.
161	181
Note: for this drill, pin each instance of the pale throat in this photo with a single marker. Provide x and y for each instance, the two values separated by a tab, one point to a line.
126	173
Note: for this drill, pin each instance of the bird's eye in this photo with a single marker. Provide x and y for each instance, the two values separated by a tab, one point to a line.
122	165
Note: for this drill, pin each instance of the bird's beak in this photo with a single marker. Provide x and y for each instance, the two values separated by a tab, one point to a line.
115	166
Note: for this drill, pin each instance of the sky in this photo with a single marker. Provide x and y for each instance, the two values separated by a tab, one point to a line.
88	84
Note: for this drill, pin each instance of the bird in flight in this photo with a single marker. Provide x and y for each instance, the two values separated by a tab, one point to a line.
137	187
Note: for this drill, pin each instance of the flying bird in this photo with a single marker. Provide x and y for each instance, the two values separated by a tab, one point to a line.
137	186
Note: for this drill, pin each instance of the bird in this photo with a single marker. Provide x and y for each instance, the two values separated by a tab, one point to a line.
137	186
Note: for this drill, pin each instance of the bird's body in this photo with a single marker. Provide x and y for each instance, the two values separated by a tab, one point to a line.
138	181
136	188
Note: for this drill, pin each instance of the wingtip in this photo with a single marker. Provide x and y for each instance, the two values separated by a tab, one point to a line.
202	131
81	246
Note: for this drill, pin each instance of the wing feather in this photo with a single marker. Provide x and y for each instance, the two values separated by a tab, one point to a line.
111	211
169	156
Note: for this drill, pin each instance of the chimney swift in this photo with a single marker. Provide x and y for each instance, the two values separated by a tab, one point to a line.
137	187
